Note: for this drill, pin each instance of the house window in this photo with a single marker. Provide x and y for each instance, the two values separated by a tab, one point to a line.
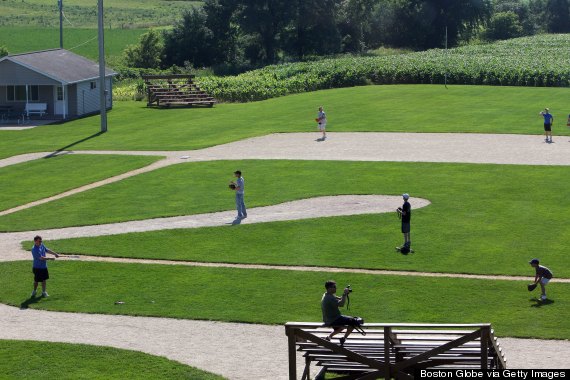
59	93
93	85
18	93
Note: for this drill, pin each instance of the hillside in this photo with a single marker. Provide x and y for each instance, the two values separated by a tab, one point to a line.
119	14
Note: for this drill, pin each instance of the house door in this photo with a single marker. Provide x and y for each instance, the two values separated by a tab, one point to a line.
60	106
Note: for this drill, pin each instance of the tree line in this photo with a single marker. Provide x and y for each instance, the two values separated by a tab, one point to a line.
253	33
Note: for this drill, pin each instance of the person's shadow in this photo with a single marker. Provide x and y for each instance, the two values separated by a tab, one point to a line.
24	305
539	303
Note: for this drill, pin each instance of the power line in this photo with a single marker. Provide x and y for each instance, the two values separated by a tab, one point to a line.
83	43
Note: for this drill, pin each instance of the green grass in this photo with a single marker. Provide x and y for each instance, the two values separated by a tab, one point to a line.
405	108
274	297
83	13
42	178
483	218
25	39
48	360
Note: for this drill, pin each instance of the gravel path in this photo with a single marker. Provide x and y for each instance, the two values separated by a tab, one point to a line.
237	351
302	209
229	349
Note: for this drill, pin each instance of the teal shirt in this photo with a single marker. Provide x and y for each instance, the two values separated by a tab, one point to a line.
329	306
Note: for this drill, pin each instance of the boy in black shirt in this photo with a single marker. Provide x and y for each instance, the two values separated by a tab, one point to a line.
405	213
542	276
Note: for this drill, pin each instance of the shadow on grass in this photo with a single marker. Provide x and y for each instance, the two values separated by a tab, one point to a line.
24	305
539	303
73	144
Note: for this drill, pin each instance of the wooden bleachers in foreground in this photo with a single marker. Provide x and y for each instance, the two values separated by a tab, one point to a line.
393	350
175	90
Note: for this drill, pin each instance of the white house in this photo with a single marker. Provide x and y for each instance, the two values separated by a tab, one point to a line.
54	84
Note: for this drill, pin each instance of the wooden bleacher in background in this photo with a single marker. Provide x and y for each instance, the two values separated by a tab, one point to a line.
393	350
175	90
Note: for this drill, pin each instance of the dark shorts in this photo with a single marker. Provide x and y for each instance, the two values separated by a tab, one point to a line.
343	320
40	274
548	127
405	228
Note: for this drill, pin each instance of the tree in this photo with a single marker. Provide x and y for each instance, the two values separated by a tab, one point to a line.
557	16
519	7
457	16
221	21
3	51
421	24
355	18
148	53
502	26
313	29
190	40
265	22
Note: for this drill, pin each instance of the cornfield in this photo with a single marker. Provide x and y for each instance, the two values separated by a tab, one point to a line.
542	60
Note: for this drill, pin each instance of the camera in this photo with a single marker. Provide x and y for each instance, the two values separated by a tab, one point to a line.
349	288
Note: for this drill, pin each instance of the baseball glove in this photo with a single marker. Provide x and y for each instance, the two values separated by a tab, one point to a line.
317	120
531	287
232	186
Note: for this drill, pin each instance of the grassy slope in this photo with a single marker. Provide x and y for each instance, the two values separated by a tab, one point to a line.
410	108
30	181
267	296
48	360
471	226
25	39
83	13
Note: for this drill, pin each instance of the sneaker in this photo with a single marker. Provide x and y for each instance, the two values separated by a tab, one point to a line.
44	294
33	294
543	297
342	340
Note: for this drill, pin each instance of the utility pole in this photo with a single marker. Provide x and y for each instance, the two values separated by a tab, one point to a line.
446	58
60	6
102	91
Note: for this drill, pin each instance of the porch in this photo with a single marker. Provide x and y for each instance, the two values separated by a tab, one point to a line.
24	103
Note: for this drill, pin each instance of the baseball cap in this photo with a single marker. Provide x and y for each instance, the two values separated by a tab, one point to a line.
406	196
533	261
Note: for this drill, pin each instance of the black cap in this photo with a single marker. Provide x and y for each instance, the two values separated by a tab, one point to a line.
534	261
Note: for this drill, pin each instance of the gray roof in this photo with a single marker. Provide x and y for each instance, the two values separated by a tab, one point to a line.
60	65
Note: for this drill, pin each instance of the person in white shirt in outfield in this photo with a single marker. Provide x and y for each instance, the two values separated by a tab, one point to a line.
322	120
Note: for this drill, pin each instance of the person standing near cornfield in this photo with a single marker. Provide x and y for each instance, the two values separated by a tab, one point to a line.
548	120
322	120
39	267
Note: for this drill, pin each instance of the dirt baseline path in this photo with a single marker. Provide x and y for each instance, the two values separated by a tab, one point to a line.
235	350
317	207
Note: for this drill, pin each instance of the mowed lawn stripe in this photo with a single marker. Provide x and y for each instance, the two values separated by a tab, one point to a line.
42	178
396	108
482	219
27	360
274	297
357	242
